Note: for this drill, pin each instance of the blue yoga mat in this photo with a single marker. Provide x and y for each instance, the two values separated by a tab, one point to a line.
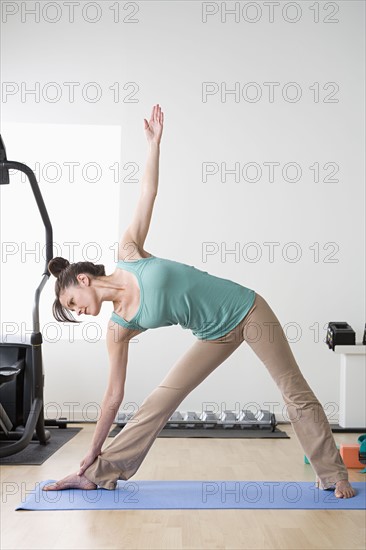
180	495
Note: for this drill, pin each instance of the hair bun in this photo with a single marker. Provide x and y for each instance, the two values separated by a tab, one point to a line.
57	265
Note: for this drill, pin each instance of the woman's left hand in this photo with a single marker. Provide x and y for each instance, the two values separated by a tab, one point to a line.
87	461
154	128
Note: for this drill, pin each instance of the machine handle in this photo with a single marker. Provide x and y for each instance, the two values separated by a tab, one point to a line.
5	165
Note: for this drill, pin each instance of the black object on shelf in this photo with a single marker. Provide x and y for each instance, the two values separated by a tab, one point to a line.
340	333
364	336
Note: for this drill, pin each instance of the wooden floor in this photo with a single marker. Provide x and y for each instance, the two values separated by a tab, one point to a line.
201	459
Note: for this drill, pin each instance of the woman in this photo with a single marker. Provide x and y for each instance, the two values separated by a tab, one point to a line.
150	292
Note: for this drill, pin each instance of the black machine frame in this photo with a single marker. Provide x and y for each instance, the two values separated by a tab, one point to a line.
28	352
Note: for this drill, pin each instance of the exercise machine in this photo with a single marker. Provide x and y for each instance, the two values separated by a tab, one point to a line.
21	367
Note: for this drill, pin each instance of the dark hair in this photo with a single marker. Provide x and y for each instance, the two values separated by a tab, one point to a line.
66	275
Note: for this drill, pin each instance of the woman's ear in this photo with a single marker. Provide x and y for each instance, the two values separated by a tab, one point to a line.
83	279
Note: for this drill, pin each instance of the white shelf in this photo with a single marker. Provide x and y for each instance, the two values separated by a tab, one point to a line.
358	349
352	405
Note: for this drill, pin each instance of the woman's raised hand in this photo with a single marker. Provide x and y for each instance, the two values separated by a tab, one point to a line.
154	128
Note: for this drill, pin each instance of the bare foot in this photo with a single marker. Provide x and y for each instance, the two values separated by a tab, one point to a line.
343	489
72	481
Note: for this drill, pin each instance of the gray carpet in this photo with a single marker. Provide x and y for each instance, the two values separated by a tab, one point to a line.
234	433
36	454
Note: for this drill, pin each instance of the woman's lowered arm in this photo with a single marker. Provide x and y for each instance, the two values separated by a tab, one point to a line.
117	343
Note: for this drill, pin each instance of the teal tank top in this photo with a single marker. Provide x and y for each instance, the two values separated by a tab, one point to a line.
173	293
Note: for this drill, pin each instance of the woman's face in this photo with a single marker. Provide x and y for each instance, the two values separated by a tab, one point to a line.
81	299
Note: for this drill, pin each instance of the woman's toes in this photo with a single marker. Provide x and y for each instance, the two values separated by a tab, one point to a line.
344	489
51	487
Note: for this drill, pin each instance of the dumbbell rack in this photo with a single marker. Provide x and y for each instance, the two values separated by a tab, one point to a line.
229	420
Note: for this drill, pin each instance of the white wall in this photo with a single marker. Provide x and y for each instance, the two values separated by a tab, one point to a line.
165	52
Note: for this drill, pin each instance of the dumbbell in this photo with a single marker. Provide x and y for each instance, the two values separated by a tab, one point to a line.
175	421
191	419
227	419
209	419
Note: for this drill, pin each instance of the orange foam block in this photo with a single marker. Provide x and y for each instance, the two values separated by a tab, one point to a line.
349	454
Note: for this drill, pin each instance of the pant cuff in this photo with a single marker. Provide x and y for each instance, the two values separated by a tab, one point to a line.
102	473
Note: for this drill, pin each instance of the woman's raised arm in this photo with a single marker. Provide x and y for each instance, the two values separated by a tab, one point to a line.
137	231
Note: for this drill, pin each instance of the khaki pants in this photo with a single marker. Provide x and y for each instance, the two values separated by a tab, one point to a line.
261	329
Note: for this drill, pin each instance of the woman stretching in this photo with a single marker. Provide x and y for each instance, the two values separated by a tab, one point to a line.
149	292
